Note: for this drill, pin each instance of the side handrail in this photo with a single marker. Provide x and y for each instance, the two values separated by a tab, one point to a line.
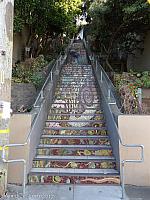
50	77
123	162
20	160
62	60
41	95
139	146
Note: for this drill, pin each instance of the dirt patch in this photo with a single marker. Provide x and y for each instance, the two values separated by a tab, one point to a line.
23	96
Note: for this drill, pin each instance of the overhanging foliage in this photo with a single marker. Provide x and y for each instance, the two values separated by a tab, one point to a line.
119	24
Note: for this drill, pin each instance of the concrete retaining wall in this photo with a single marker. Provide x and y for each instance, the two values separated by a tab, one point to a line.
135	129
20	125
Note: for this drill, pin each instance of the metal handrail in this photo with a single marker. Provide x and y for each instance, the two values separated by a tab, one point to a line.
59	60
30	132
50	77
124	145
20	145
140	146
127	161
40	95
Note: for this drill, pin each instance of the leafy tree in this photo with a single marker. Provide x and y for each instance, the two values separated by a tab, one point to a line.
119	24
46	19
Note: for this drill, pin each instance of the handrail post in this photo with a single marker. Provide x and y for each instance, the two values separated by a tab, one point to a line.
51	75
60	59
122	179
24	179
101	76
42	94
109	93
57	64
96	64
93	58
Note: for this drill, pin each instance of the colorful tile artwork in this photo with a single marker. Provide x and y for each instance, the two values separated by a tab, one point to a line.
75	128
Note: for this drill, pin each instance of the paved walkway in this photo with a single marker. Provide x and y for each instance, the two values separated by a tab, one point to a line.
66	192
138	193
77	192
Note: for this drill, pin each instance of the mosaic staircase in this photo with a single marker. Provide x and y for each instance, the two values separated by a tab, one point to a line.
74	147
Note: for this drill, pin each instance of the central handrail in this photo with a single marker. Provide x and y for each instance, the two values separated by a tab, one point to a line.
107	98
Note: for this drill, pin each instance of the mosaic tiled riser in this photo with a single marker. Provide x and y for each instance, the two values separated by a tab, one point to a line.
75	146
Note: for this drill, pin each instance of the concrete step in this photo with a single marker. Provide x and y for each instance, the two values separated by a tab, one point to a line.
69	108
59	94
75	136
74	141
76	128
81	81
63	86
76	132
74	172
75	158
79	66
75	125
59	113
71	75
97	104
57	146
68	74
68	117
74	91
61	120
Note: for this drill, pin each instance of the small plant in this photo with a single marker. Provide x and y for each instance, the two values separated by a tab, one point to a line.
37	79
30	71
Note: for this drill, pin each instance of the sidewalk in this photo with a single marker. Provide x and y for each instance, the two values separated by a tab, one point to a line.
65	192
77	192
138	193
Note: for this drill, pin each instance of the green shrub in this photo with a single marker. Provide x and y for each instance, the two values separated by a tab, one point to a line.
31	71
37	79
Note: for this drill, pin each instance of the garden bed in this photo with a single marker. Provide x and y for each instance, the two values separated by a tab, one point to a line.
23	96
28	78
129	85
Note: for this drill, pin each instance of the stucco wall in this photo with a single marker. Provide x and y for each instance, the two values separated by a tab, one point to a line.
20	125
135	130
141	61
